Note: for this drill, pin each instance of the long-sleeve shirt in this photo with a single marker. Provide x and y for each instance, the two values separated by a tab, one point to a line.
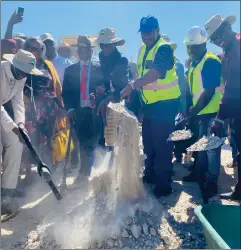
230	103
11	89
116	71
61	63
163	62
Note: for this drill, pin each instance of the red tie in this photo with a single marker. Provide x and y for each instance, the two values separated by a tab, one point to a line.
83	82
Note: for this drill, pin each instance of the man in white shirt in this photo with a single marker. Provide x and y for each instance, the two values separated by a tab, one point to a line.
13	76
60	63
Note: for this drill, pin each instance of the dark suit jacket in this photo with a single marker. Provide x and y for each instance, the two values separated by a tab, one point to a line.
71	84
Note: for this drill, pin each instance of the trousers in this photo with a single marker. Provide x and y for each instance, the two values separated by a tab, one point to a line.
11	159
208	162
87	139
158	124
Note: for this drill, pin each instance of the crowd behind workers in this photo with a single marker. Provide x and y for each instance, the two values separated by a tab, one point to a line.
45	92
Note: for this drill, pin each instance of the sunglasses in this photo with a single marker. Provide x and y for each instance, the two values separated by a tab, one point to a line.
34	49
218	35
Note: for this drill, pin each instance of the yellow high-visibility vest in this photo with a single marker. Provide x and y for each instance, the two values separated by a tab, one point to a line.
196	86
161	89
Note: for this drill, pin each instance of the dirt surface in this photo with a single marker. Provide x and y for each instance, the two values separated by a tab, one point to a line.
170	223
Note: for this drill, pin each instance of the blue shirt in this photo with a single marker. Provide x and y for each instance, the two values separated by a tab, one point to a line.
211	72
163	61
211	78
182	85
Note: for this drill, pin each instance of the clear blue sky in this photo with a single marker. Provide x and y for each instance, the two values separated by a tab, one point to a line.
73	18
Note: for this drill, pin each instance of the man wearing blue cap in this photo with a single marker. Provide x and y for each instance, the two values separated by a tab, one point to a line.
158	82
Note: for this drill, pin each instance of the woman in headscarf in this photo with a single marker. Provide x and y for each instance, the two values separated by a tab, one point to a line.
43	103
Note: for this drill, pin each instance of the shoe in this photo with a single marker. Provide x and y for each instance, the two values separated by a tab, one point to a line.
9	209
190	178
233	196
211	189
162	192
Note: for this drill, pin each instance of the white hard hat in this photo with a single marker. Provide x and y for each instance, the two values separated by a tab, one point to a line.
195	36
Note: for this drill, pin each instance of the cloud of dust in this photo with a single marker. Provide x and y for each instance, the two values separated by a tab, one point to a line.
98	209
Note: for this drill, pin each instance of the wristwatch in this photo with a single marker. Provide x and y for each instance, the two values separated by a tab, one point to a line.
219	120
132	85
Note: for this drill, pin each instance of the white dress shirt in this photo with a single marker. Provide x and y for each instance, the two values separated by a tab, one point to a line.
61	63
11	89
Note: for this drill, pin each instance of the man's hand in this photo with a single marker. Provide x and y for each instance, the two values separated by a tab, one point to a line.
217	129
92	101
126	93
102	109
100	90
71	115
15	18
17	132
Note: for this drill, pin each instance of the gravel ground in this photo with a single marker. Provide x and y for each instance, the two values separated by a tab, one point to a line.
171	222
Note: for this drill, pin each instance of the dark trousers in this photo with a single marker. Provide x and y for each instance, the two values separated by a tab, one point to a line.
237	125
75	154
208	162
87	140
155	131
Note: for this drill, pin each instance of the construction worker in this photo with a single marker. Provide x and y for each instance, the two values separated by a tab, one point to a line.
160	94
205	84
221	34
179	148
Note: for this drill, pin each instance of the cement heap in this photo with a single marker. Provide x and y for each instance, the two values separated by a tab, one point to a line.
127	154
112	210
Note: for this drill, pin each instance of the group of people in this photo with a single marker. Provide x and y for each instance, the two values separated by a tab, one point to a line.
45	94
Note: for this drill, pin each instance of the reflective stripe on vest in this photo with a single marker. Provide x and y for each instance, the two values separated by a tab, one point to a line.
156	86
197	89
219	89
161	89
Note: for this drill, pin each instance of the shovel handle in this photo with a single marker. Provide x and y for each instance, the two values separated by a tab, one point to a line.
55	190
44	171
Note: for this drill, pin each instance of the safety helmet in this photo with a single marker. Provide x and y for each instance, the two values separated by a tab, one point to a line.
195	36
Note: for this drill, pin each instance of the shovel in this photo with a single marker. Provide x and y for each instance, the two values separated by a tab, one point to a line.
43	169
